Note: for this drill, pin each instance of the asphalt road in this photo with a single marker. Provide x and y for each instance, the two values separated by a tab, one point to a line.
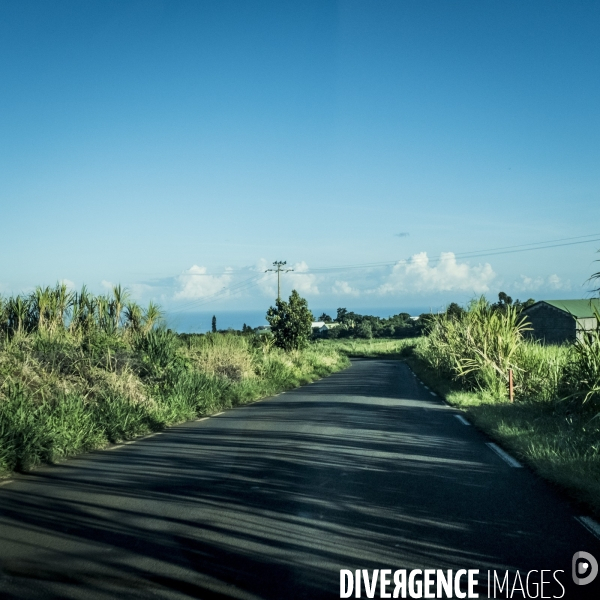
364	469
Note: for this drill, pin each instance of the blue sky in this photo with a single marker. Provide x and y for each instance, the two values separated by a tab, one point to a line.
179	148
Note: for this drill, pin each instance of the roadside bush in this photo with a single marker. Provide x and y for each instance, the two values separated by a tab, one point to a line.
364	330
582	372
157	350
225	355
290	322
477	347
541	370
67	390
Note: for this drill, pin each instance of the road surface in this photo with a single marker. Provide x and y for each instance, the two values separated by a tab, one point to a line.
364	469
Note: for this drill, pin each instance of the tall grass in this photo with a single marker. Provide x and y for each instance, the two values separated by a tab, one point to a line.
78	371
582	373
374	347
553	424
52	310
478	348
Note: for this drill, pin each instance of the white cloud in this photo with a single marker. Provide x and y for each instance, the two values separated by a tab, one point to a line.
140	290
302	282
109	285
344	288
533	284
417	275
70	285
556	283
196	283
297	279
268	281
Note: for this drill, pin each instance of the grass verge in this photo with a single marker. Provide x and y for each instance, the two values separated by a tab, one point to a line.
559	443
372	348
61	395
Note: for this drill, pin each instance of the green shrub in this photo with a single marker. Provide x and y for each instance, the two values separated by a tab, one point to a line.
478	346
290	322
582	376
67	391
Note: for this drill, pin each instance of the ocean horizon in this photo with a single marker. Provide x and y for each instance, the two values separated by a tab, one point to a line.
201	321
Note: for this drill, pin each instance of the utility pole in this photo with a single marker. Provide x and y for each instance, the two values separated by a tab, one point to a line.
279	264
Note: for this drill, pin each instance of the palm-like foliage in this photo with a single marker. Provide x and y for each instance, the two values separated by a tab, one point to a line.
49	307
152	317
120	299
596	279
54	310
583	373
479	346
18	315
133	317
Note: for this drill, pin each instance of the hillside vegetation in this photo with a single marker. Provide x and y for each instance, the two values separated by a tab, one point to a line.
79	371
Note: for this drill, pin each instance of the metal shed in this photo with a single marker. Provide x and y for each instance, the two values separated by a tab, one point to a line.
558	321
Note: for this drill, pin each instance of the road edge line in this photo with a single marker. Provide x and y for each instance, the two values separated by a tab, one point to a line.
513	462
590	525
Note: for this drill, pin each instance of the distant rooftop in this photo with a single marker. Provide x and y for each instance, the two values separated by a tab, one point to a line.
581	309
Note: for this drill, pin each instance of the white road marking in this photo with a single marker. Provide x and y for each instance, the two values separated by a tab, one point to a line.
115	447
433	393
425	387
590	525
462	420
202	419
505	456
217	414
6	482
131	442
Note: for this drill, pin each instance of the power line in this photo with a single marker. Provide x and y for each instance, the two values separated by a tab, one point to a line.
220	293
255	279
470	254
278	264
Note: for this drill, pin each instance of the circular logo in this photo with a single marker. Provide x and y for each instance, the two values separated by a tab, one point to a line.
585	568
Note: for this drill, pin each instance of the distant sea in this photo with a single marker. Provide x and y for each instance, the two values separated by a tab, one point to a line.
201	322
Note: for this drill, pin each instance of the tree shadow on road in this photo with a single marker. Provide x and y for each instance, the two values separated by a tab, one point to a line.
269	501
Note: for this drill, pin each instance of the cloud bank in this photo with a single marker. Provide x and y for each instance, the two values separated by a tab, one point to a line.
195	283
418	275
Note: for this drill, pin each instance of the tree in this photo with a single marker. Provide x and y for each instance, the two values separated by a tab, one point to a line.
290	322
522	305
214	324
341	315
504	301
454	310
365	330
325	318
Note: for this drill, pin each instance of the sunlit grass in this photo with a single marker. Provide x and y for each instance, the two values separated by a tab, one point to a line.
66	389
560	444
372	348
